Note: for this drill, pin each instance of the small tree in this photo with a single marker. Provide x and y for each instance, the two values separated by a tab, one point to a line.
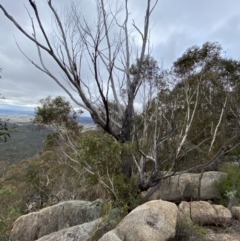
58	114
4	133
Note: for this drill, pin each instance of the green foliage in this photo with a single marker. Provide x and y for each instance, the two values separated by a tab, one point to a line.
192	112
57	113
4	132
197	56
11	209
150	71
5	192
51	140
127	193
110	219
226	188
49	178
94	151
61	117
42	181
186	229
101	155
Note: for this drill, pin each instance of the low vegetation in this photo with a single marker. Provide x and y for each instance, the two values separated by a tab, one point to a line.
4	133
187	230
229	187
58	174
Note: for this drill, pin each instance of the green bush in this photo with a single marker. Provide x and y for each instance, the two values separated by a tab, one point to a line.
4	133
11	208
101	155
110	219
187	230
226	189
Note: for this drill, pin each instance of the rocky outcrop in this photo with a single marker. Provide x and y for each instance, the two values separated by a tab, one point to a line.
51	219
111	236
218	237
154	220
204	213
77	233
185	187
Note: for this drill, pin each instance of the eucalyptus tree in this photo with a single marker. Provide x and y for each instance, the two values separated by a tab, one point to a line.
58	114
106	47
197	119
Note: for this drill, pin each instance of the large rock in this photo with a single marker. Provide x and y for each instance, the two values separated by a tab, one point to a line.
76	233
221	237
185	187
204	213
111	236
211	236
51	219
154	220
236	212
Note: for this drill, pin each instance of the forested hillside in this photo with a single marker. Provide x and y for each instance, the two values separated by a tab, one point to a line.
25	141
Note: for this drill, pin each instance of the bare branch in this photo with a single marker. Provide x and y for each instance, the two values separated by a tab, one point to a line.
23	31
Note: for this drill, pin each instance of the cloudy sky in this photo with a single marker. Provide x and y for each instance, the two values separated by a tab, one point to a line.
176	26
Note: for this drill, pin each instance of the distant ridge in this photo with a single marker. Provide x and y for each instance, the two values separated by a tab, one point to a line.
26	139
16	116
85	120
21	112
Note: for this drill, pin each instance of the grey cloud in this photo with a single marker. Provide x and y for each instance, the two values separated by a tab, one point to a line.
177	25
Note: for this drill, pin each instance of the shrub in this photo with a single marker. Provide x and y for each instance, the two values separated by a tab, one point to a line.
4	133
187	230
101	156
11	208
229	187
110	219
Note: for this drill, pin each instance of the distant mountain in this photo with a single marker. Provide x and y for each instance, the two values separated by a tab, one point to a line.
25	141
85	120
20	115
17	111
